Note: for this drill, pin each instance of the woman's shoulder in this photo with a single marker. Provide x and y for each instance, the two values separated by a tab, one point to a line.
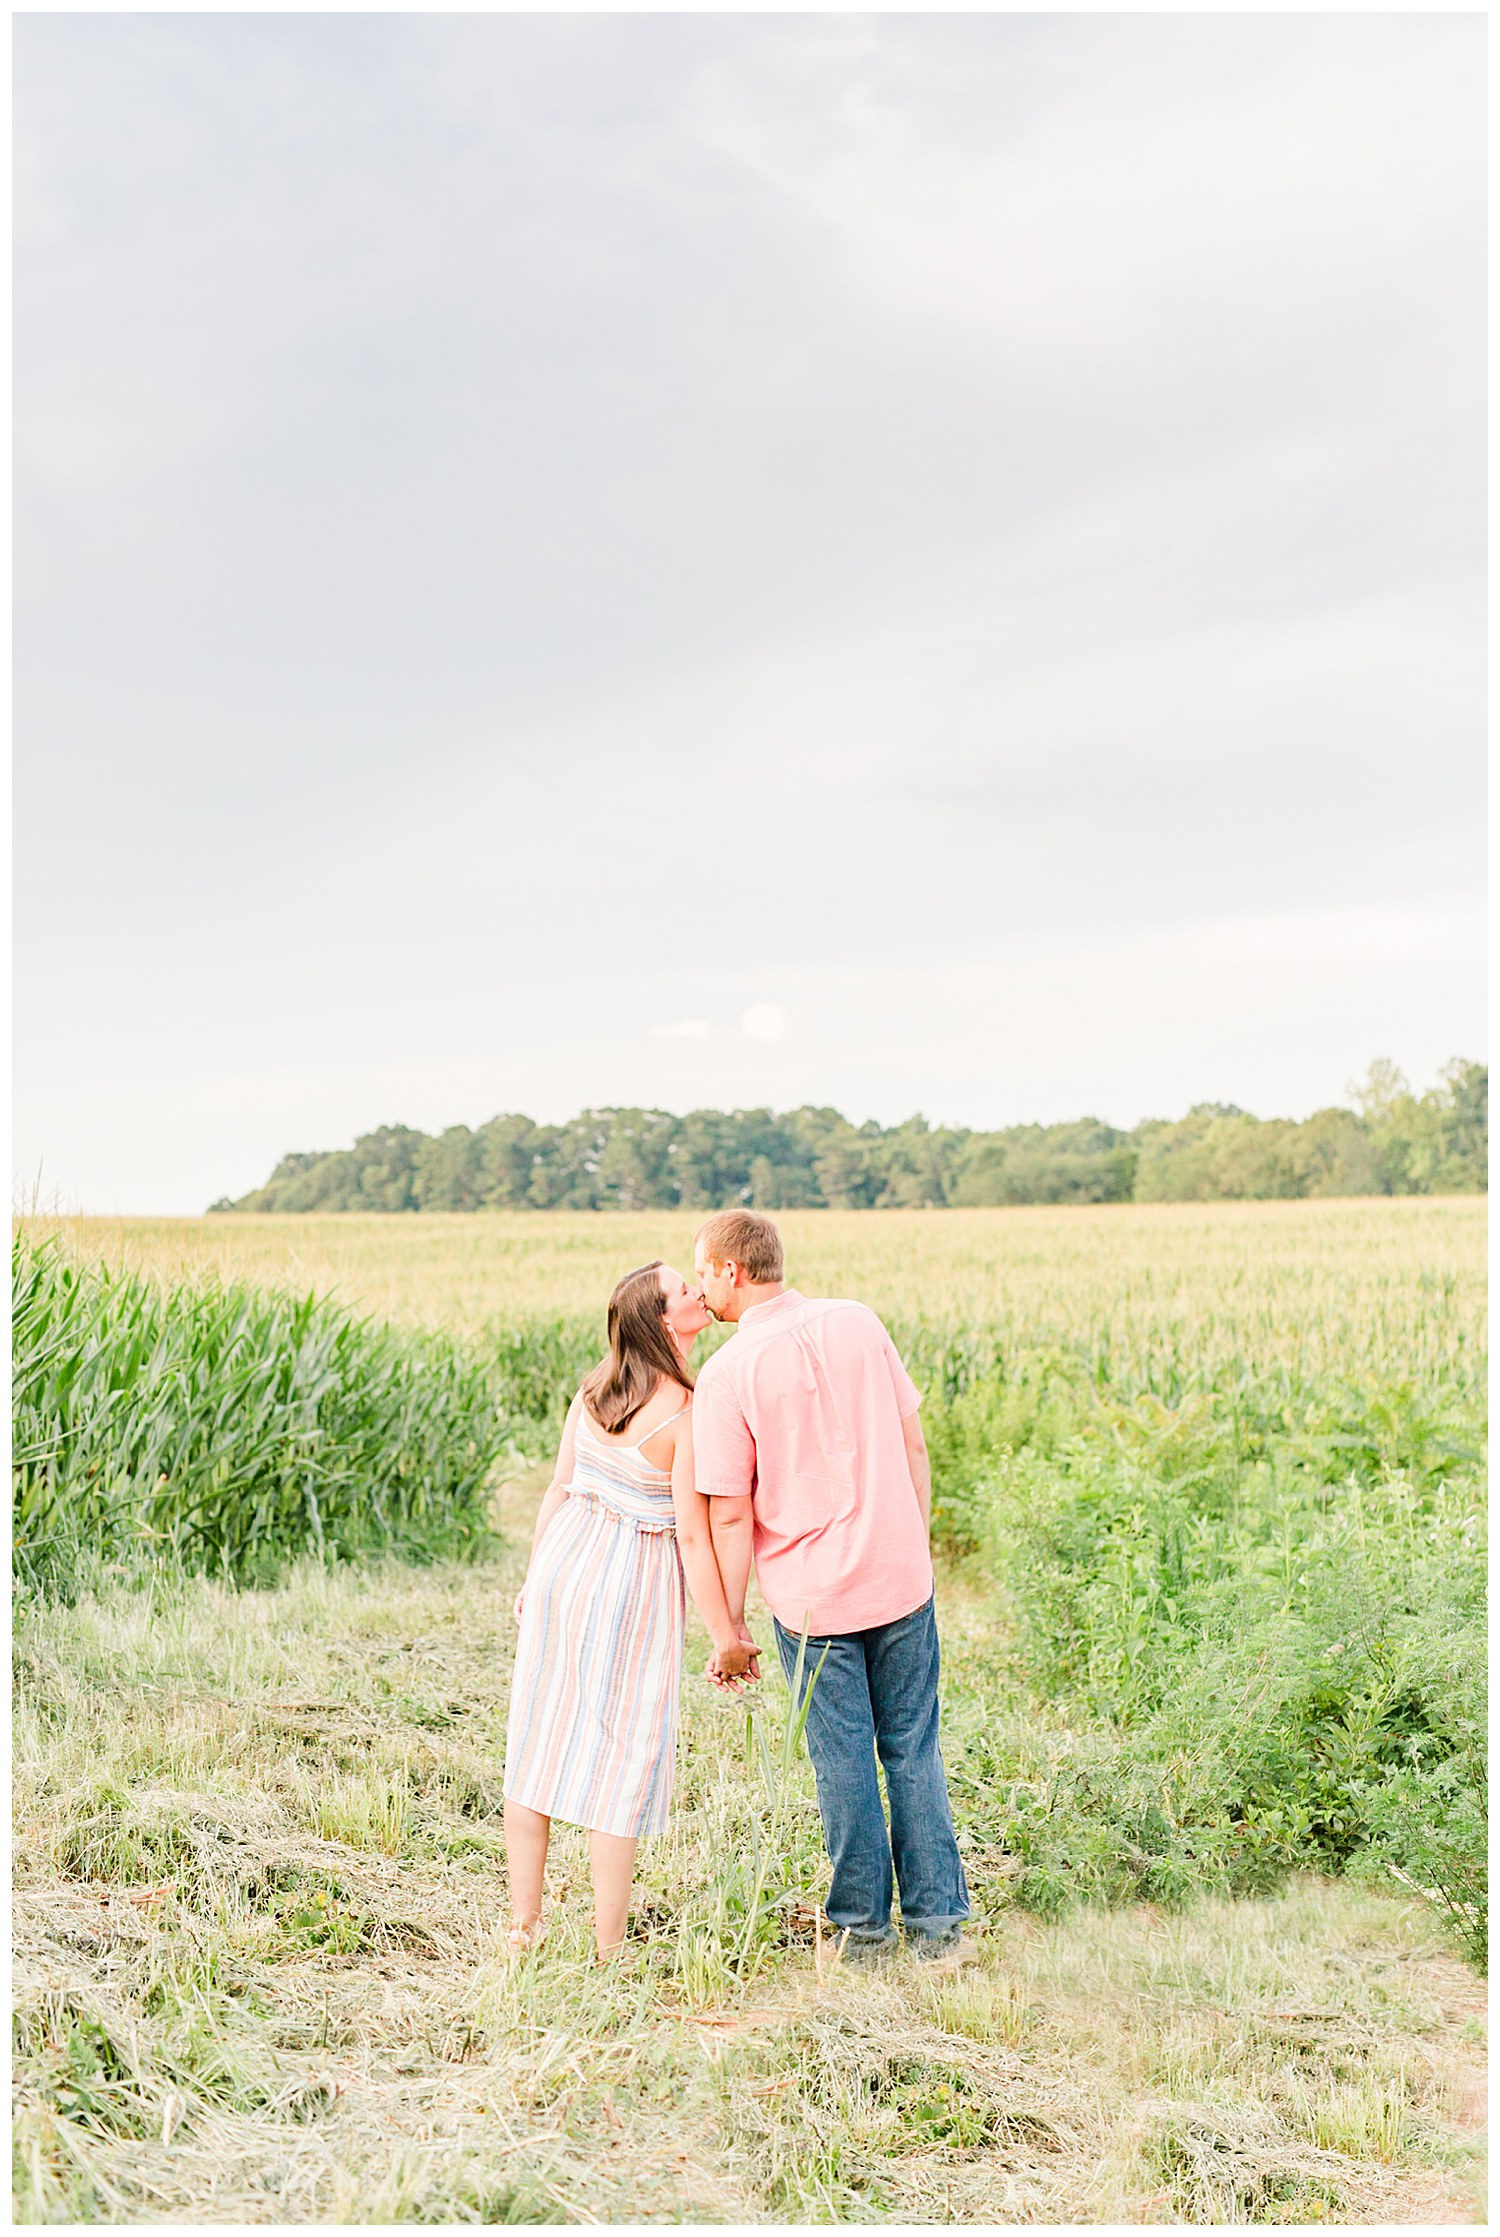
668	1402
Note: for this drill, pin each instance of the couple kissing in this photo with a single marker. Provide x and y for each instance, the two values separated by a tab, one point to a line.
798	1445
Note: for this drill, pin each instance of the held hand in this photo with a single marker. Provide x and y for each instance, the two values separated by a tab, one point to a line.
716	1677
520	1596
732	1663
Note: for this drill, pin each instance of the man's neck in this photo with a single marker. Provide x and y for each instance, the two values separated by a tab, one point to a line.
756	1293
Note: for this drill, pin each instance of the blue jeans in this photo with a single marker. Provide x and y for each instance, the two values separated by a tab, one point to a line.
879	1692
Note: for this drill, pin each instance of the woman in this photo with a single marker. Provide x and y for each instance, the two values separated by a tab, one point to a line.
592	1735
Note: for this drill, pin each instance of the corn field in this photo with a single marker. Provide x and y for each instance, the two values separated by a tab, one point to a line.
218	1427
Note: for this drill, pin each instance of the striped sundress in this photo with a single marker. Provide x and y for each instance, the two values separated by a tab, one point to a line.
592	1733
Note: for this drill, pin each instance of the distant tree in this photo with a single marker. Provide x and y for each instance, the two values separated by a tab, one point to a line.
1464	1118
1250	1157
635	1170
1445	1132
448	1175
507	1151
913	1162
979	1173
774	1161
1339	1155
1174	1163
707	1157
845	1160
765	1195
1081	1162
566	1175
387	1162
1394	1142
294	1167
330	1183
1383	1087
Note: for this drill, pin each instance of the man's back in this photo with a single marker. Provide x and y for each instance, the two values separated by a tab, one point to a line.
803	1409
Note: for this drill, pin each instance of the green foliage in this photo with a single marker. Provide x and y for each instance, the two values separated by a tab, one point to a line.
1392	1144
539	1364
321	1917
225	1428
633	1160
1256	1616
1081	1163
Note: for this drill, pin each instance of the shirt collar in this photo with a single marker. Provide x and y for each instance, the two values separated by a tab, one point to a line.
759	1316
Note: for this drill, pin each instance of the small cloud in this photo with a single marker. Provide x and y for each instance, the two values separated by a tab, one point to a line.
764	1021
686	1029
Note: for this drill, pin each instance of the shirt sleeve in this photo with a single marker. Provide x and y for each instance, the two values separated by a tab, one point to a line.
723	1447
908	1397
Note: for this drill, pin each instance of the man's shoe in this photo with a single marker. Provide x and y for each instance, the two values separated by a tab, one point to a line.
943	1956
864	1954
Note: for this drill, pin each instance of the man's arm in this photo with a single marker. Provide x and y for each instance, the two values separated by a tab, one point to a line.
733	1656
908	1402
920	1466
726	1473
730	1526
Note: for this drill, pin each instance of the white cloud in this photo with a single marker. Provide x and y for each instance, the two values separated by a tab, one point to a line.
686	1029
764	1021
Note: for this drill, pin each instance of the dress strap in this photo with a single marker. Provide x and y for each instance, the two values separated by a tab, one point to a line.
650	1433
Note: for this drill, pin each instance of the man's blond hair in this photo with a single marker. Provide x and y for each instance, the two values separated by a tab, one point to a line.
749	1238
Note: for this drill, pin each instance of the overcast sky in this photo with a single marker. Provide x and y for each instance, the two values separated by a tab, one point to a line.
916	563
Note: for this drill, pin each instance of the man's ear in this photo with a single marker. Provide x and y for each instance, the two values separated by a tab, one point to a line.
731	1272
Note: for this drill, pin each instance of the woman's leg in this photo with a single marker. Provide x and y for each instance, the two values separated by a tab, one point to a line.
526	1833
612	1856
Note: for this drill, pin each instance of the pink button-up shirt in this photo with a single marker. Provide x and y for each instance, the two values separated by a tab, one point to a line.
803	1409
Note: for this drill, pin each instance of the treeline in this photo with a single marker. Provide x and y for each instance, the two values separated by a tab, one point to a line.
1392	1143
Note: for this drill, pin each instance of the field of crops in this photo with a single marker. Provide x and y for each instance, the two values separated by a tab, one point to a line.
1392	1286
1208	1484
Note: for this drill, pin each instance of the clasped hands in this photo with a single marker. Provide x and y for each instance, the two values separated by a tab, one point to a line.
731	1667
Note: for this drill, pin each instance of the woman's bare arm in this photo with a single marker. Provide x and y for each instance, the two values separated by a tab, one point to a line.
557	1490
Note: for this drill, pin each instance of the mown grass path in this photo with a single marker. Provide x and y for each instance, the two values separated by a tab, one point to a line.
261	1976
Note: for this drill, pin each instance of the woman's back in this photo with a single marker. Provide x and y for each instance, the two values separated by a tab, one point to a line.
668	1403
620	1471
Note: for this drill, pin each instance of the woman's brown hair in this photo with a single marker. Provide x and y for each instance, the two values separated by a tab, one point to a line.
641	1351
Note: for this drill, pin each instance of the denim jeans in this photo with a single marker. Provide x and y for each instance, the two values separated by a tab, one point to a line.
878	1693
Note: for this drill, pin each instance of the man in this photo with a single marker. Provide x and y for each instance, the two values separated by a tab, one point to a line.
808	1446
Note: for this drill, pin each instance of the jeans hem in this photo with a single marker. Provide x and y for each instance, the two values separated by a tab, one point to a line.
935	1932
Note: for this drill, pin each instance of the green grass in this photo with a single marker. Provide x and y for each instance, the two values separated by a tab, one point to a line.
251	1986
1208	1496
